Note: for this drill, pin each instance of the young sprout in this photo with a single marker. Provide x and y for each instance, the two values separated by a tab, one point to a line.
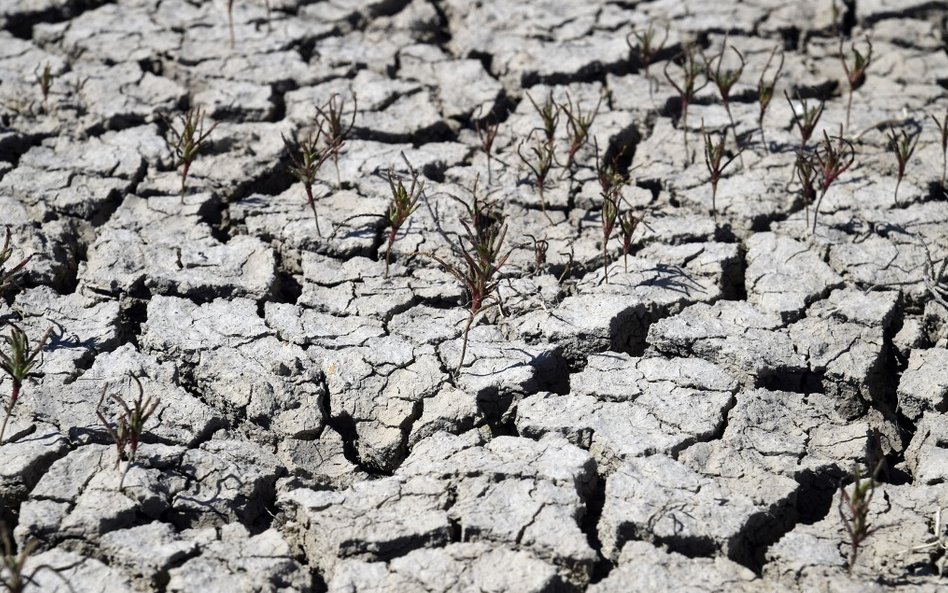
646	50
129	426
855	74
404	203
45	82
482	257
186	143
716	160
689	86
628	223
549	114
540	164
806	120
13	575
832	159
306	158
577	127
943	129
8	278
609	214
540	247
725	80
765	89
807	174
854	512
18	362
487	134
331	121
903	145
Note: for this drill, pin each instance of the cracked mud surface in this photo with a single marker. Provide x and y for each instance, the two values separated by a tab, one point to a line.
684	423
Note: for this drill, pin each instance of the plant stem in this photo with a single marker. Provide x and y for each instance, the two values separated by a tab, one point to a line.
816	208
14	395
467	329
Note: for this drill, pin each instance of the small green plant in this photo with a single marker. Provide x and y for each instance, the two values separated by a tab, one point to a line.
806	120
628	223
404	203
765	89
806	173
577	128
943	129
331	121
13	575
187	143
716	160
903	145
539	247
487	133
549	114
44	81
540	164
854	512
688	88
130	424
8	278
724	80
611	182
306	158
18	362
832	159
856	73
646	50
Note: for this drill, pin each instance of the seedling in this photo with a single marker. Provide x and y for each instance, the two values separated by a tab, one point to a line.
765	89
717	160
487	134
9	277
806	120
943	129
539	164
306	158
540	247
689	86
45	82
404	203
939	541
549	114
832	159
129	426
18	362
725	80
903	145
13	575
610	177
482	257
577	127
807	174
609	215
855	74
646	50
854	512
628	223
331	121
186	143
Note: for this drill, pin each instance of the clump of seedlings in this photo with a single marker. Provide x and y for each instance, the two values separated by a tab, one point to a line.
404	203
18	362
577	128
688	87
903	145
306	158
549	114
725	79
482	255
646	50
765	89
44	81
831	160
943	129
129	426
854	512
540	163
611	181
716	160
187	142
13	575
855	73
8	278
332	122
806	120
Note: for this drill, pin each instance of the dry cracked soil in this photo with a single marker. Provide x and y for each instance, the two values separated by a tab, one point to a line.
685	410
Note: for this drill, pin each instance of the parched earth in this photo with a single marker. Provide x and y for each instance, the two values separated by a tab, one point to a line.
684	423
